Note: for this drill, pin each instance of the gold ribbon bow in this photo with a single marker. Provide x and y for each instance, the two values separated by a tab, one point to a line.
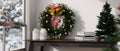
57	10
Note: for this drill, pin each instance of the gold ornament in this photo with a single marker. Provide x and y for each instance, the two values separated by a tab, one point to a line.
52	12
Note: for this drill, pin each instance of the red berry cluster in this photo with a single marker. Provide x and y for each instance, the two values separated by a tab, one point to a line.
55	22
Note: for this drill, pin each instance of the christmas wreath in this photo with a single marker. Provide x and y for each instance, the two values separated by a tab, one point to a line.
58	20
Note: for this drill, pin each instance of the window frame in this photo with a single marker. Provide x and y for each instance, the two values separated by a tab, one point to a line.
24	35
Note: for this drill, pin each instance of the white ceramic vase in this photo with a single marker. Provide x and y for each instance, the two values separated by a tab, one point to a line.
35	34
43	34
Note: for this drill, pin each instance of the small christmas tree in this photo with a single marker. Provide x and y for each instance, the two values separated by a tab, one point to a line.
107	29
106	25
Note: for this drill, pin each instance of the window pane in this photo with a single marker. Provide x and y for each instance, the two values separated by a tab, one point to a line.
11	12
15	38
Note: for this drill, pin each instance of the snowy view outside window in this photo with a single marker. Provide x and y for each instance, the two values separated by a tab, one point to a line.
12	29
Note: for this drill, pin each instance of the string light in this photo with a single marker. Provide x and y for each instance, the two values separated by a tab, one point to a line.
46	15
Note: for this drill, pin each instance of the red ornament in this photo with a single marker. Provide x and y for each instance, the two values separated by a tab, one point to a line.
53	18
55	24
59	20
53	6
119	7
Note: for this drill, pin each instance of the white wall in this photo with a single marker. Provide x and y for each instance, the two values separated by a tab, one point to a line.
30	10
41	5
86	12
86	16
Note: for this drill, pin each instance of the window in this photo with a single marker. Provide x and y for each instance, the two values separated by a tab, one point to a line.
12	28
